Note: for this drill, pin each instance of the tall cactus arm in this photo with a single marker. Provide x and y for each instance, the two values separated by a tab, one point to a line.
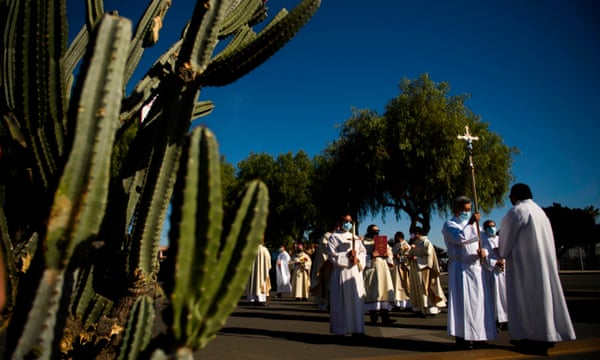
200	227
9	58
81	196
200	38
225	70
235	263
40	81
146	33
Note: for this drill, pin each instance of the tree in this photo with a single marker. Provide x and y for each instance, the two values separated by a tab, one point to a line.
573	227
290	180
410	160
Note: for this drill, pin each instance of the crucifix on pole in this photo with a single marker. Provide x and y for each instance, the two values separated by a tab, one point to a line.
469	139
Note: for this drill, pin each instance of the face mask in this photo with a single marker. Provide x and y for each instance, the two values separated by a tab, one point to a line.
347	226
465	215
491	231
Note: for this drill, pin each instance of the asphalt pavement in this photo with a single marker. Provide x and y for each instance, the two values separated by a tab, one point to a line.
290	329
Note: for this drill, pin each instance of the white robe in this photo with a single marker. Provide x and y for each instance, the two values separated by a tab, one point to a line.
283	272
495	276
537	309
347	289
400	274
470	308
259	285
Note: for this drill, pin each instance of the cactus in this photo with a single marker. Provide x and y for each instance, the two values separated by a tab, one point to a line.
85	187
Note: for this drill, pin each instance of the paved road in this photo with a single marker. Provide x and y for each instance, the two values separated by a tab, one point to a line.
292	330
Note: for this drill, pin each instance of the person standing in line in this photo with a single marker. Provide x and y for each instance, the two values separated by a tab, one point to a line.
470	309
300	272
283	272
346	288
426	291
379	286
494	265
400	272
320	274
538	315
259	284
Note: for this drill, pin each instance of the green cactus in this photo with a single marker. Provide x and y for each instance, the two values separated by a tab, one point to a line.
84	187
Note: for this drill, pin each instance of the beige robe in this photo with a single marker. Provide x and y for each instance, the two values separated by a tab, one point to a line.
259	284
400	273
300	273
379	286
426	293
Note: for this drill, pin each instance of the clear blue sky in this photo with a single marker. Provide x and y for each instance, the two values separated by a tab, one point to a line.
532	68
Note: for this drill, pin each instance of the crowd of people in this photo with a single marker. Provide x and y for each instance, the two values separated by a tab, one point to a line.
497	281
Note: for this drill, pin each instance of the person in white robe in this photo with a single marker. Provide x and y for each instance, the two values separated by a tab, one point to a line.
282	272
470	309
427	296
300	273
346	288
400	272
320	274
379	286
494	265
537	311
259	284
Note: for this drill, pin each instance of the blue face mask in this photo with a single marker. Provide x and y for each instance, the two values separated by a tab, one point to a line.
491	231
347	226
465	215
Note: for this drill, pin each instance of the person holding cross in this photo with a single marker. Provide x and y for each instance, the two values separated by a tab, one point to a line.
471	317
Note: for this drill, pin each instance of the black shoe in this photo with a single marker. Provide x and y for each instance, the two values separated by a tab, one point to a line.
373	317
532	347
464	344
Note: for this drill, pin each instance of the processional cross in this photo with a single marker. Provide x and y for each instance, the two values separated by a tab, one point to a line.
469	139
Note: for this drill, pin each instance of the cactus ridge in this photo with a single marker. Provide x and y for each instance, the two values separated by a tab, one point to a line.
139	328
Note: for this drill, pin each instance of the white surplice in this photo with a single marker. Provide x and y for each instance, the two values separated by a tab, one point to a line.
347	289
495	276
537	309
283	272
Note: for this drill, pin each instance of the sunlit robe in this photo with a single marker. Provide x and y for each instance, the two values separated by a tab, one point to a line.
470	308
495	276
282	270
259	284
300	272
347	289
537	309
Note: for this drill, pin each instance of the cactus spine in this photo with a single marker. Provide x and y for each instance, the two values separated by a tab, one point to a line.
81	257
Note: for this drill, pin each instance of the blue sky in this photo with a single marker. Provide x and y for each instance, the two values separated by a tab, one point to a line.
531	68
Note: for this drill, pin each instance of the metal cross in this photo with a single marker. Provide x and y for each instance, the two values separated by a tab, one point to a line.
469	138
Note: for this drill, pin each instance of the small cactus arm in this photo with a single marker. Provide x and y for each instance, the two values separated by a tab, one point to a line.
211	269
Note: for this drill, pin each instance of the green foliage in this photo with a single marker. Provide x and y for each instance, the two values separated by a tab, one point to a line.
409	159
290	179
573	227
84	186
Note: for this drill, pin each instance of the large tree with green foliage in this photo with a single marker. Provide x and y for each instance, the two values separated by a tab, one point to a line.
289	179
410	160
